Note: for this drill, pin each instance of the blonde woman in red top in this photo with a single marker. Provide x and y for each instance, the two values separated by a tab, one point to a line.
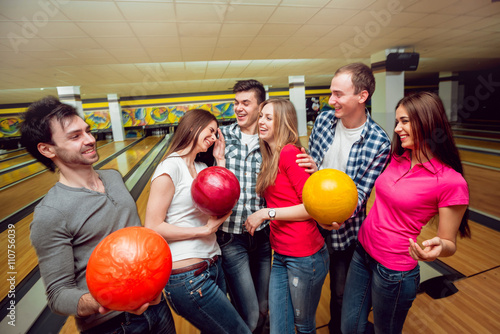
301	259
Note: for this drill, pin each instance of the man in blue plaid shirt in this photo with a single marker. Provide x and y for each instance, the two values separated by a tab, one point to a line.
246	259
349	140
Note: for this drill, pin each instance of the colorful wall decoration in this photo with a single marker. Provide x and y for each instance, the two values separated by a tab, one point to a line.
144	116
98	119
323	103
9	126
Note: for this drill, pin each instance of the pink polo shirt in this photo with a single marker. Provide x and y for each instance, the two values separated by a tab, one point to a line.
291	238
406	199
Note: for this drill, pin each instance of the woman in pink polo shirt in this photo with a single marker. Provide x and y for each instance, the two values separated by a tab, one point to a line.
423	179
301	259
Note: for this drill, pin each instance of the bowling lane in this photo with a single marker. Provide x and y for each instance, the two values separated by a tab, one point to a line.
25	255
18	174
477	133
126	161
21	159
483	186
478	143
26	260
475	255
25	192
480	158
21	173
12	153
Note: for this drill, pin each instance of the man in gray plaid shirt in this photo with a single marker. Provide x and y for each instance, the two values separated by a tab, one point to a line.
246	259
349	140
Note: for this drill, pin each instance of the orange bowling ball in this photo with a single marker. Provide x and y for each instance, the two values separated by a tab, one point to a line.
129	268
330	195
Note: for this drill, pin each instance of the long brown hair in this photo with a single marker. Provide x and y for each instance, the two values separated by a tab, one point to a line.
188	131
431	132
285	132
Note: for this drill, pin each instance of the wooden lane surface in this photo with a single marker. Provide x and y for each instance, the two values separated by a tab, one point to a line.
484	186
11	154
26	259
480	158
126	161
493	145
463	132
26	171
15	161
21	173
473	309
25	192
474	255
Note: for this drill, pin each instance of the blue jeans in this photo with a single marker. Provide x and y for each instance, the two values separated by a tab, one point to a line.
295	291
202	300
246	261
157	319
370	284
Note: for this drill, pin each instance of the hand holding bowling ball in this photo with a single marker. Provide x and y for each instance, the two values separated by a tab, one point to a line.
215	191
128	268
329	196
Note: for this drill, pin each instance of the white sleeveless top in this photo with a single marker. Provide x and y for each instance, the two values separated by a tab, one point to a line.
182	212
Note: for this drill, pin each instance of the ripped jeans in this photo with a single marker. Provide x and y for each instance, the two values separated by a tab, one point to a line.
295	291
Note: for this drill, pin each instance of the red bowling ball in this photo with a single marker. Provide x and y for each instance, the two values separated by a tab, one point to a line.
215	191
129	268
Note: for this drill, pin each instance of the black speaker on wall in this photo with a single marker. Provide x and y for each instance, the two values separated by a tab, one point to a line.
402	61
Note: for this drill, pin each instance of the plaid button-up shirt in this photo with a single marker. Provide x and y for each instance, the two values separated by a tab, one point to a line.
367	159
245	164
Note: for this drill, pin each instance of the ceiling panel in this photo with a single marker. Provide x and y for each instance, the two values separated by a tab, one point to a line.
91	11
197	29
297	15
194	12
237	13
332	16
465	7
427	6
106	29
154	28
147	11
80	43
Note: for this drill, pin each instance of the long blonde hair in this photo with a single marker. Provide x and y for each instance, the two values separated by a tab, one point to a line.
285	132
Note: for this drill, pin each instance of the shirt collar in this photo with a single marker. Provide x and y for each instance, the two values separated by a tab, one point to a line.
432	166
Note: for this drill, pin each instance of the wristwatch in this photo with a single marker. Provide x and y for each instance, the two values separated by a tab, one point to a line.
272	213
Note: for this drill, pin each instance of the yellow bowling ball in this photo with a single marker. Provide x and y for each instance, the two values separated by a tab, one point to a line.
330	195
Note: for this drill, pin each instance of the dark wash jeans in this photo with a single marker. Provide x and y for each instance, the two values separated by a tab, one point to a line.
246	261
202	300
390	292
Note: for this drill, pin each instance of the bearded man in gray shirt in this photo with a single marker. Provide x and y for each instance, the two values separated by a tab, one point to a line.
76	214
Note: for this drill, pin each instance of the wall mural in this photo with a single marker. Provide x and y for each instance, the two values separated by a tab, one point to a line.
9	126
144	116
98	119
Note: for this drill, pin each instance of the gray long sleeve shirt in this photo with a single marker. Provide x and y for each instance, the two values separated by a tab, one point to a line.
67	225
